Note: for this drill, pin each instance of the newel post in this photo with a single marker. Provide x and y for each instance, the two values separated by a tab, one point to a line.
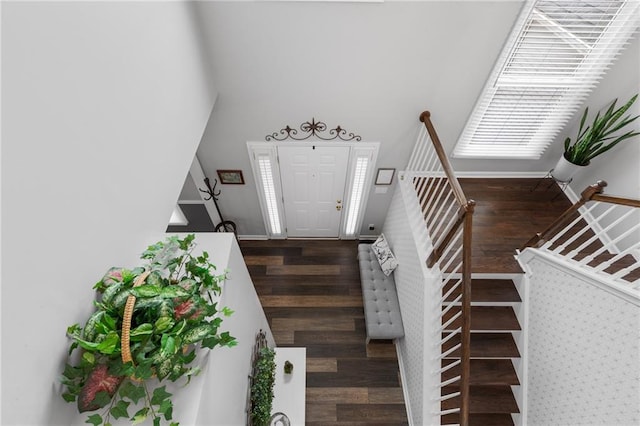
586	195
466	314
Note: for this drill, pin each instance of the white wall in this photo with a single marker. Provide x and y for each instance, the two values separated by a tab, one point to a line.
619	166
370	68
584	346
103	107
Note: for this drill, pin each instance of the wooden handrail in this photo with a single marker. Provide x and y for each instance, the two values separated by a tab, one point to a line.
616	200
591	193
425	117
465	219
586	195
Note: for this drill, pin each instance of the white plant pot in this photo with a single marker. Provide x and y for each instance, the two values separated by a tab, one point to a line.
564	170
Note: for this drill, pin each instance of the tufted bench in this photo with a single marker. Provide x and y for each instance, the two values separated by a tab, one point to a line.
381	307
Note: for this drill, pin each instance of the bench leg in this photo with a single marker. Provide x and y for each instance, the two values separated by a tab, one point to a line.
368	340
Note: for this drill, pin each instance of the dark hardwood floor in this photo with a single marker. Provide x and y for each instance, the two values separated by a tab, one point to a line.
508	212
310	292
311	295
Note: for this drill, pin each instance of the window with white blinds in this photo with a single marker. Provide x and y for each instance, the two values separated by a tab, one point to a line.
557	53
356	195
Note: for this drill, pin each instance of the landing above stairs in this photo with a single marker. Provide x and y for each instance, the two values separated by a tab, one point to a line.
508	213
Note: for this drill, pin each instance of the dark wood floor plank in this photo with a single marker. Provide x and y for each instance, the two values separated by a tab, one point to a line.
264	260
269	250
305	338
321	412
344	261
375	412
310	301
311	290
508	212
342	350
303	269
343	395
314	312
302	280
313	324
386	395
359	373
322	365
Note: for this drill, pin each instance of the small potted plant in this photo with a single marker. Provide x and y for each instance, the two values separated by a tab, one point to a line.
148	326
594	139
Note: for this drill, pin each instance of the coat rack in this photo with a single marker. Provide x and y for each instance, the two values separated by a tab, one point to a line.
224	225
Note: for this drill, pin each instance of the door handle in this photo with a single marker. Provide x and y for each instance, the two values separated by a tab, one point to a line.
338	208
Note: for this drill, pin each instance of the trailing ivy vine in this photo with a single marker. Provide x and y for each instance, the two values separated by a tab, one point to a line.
262	387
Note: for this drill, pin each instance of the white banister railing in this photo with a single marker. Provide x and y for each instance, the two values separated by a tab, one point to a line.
599	233
447	218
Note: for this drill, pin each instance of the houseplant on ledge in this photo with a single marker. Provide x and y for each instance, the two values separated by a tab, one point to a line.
595	139
148	325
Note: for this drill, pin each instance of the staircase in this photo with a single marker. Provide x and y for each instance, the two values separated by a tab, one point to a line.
493	348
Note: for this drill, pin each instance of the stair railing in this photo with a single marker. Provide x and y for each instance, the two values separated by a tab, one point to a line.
448	217
600	233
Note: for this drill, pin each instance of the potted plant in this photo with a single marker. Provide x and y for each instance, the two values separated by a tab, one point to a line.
148	325
594	139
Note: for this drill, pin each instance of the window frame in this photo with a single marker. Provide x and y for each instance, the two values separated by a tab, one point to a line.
553	117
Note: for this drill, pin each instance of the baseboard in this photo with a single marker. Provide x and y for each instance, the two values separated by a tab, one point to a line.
571	194
405	391
253	237
503	175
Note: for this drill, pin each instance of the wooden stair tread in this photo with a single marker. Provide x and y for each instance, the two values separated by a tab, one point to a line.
480	419
484	399
486	318
486	345
486	372
620	264
488	290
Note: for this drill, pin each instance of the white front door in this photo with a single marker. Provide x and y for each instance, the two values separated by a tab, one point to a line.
313	187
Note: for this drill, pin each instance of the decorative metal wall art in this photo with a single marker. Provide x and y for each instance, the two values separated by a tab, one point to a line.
313	128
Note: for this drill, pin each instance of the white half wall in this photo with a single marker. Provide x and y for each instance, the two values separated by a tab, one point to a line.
103	108
224	398
584	346
407	236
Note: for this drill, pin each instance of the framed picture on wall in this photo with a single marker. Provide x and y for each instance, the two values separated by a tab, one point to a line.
231	177
385	176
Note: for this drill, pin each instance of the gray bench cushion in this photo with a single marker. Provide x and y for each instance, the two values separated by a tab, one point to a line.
381	307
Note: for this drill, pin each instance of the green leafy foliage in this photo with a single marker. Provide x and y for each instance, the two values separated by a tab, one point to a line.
600	136
173	315
262	387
